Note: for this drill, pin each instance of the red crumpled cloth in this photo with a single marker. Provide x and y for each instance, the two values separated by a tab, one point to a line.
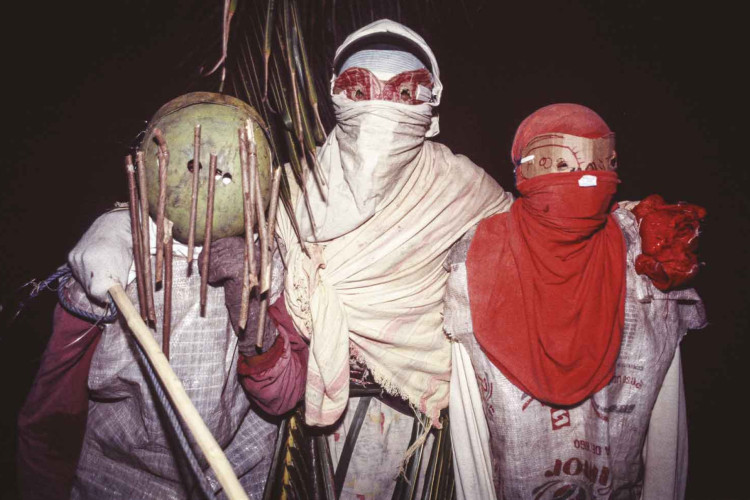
52	422
669	240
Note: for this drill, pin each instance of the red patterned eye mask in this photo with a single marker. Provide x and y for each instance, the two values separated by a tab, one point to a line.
360	84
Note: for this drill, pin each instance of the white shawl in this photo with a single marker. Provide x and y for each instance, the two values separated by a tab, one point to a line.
374	281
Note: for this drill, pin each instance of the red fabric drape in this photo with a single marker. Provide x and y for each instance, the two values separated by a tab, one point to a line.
547	287
52	422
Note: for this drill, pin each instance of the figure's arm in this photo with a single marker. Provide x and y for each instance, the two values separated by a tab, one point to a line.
104	254
274	378
52	422
665	453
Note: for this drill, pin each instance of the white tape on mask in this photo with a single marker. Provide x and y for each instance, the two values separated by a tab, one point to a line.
587	181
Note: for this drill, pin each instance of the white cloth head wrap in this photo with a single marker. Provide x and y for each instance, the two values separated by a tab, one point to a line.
383	60
399	31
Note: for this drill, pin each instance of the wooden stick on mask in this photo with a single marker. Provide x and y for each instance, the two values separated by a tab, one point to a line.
167	320
145	239
163	160
194	197
208	231
248	280
135	232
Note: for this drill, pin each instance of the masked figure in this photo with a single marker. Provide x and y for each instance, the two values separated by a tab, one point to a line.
92	422
566	352
367	291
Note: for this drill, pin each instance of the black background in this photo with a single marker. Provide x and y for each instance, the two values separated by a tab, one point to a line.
80	79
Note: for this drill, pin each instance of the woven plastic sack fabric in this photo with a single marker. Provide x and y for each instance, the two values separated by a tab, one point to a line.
126	452
594	448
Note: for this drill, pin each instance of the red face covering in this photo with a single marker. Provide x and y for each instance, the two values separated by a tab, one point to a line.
547	287
360	84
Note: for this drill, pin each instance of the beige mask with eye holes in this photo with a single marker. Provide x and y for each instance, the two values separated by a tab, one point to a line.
554	153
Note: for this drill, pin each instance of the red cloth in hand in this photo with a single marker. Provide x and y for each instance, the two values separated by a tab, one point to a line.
547	287
669	240
52	422
275	380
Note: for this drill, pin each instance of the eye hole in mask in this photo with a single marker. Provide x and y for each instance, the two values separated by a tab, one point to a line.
359	84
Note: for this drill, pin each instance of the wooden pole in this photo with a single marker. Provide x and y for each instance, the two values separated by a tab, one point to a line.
208	445
273	205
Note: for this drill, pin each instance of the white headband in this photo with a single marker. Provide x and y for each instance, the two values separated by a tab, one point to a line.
383	63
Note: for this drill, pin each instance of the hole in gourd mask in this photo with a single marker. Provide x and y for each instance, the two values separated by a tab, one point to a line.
190	166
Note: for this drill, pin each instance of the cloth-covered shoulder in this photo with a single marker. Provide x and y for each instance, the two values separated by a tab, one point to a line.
692	310
460	249
453	161
629	227
457	321
104	254
284	225
461	167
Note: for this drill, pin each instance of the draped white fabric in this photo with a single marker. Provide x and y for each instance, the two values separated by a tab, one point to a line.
373	281
472	461
380	286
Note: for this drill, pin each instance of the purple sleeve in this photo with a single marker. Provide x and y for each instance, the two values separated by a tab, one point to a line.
275	380
52	422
